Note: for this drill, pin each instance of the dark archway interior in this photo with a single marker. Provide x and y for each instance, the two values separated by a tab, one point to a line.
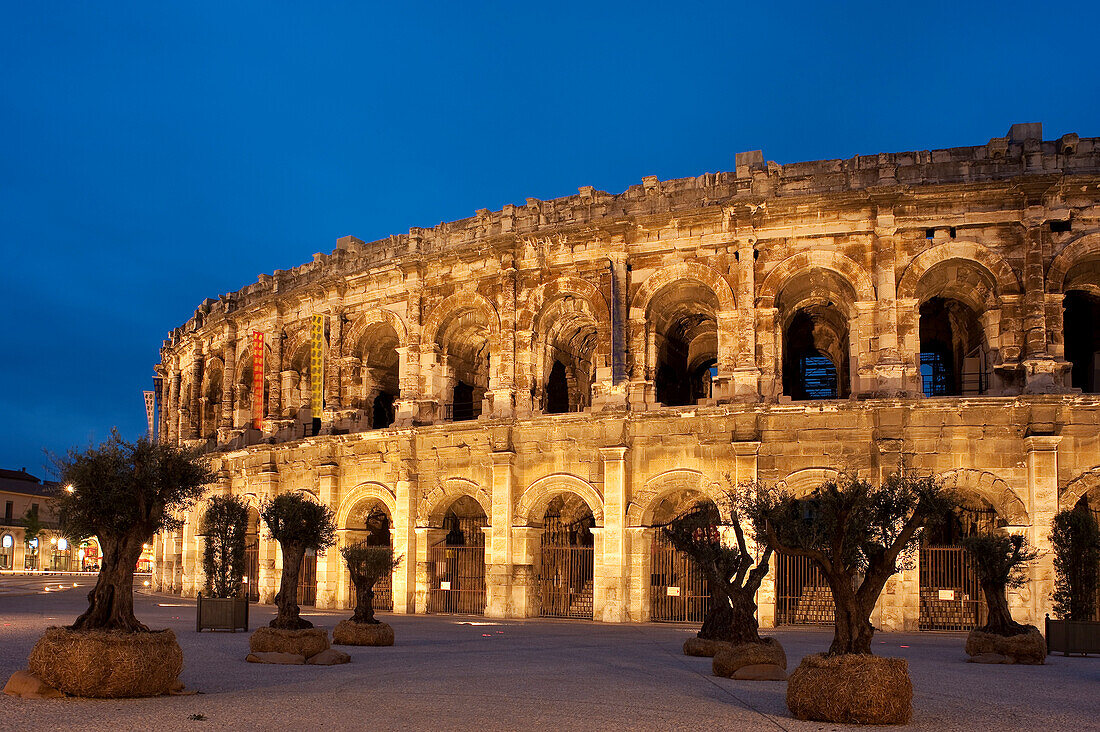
684	318
1082	339
557	390
462	407
569	522
463	522
383	411
952	352
815	355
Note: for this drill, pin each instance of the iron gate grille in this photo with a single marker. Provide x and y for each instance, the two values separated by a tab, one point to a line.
252	568
565	572
307	580
802	596
677	588
457	577
950	595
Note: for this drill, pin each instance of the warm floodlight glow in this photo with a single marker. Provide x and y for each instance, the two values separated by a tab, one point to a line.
146	583
8	541
70	488
62	544
53	539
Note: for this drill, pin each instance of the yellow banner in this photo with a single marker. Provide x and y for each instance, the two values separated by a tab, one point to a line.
317	366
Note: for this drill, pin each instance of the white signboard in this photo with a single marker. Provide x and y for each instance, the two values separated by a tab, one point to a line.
673	591
444	585
947	594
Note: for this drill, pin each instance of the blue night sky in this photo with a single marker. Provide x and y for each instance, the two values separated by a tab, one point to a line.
155	154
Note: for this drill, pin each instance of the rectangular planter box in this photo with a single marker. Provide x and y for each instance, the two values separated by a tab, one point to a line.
1073	636
216	613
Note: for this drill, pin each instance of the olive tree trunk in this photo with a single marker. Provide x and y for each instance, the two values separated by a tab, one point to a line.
731	616
111	601
1000	620
364	599
286	600
852	629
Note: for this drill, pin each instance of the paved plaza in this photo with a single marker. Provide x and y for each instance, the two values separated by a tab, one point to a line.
457	672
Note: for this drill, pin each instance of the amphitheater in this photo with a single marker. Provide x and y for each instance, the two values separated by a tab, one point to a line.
528	393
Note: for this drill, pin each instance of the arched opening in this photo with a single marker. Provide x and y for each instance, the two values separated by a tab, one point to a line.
7	552
678	589
815	308
376	383
566	560
211	403
950	596
61	554
683	323
243	418
463	347
297	394
88	555
557	390
953	352
1081	325
815	354
564	350
251	579
370	523
456	564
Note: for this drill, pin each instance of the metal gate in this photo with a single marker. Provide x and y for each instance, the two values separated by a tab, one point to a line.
252	568
565	572
456	568
307	579
802	596
678	589
950	596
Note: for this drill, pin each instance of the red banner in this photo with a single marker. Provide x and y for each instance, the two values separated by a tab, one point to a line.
257	379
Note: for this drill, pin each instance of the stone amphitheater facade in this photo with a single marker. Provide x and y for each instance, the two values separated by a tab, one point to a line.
615	357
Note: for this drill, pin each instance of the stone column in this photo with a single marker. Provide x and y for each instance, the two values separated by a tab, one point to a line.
499	550
1042	484
191	563
769	349
404	542
194	427
502	377
639	539
269	561
526	554
342	577
328	564
175	382
426	537
333	397
227	418
273	372
908	328
610	582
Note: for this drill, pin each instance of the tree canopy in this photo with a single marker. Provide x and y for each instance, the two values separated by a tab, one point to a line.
224	528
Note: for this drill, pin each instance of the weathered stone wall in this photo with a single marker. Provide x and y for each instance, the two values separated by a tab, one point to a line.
707	275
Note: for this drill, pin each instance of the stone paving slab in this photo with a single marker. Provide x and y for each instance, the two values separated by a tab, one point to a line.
462	672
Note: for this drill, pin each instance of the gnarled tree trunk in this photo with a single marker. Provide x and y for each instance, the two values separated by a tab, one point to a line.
731	616
1000	620
364	599
111	601
286	600
852	622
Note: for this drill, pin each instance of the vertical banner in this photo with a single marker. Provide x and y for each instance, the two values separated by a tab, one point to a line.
150	403
257	379
317	369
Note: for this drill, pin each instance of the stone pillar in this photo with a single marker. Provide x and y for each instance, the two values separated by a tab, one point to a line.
1042	484
908	328
329	564
333	397
524	579
426	537
227	418
273	367
342	577
269	561
191	563
193	424
404	542
499	550
640	541
610	586
769	350
175	382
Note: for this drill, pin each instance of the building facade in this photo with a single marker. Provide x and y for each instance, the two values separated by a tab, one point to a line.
527	393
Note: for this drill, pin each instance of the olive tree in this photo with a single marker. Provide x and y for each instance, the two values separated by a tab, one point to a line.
858	534
123	493
1076	541
224	528
367	565
1000	561
732	578
298	524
